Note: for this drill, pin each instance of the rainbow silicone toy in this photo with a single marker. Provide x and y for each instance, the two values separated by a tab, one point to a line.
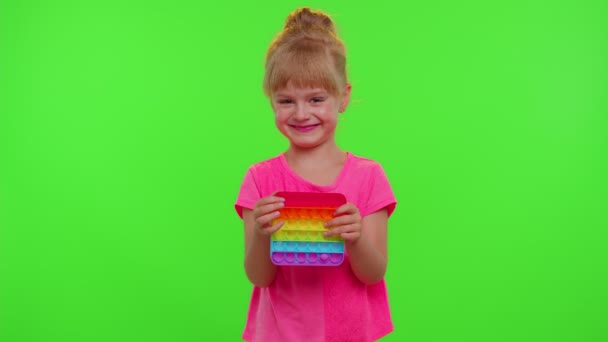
300	241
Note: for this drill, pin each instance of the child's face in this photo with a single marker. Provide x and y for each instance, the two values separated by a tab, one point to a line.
308	116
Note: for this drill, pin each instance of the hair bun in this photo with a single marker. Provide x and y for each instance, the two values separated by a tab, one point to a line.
304	18
307	53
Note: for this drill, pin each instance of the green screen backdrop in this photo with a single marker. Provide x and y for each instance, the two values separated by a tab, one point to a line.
126	128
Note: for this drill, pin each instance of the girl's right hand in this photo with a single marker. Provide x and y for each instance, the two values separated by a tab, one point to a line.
265	211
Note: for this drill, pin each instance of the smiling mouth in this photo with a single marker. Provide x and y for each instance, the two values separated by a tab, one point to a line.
304	129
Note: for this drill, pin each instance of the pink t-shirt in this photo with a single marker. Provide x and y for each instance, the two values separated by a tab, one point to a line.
318	304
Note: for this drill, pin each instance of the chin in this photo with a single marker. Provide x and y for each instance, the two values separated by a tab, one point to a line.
306	144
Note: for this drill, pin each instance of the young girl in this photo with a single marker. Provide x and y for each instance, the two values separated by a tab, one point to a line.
307	86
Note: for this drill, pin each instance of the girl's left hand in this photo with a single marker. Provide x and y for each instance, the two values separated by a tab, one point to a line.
346	222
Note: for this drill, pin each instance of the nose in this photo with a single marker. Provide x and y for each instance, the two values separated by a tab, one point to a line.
302	113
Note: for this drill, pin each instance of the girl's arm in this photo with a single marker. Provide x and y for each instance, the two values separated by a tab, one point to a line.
365	241
258	266
368	253
258	228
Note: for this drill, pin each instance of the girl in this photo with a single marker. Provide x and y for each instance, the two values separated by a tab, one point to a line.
307	86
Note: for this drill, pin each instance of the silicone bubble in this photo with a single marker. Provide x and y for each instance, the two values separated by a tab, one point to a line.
300	241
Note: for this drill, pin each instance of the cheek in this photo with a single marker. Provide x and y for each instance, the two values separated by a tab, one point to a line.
281	112
280	116
280	120
329	114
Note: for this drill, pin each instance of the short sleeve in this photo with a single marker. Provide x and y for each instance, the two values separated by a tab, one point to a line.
248	195
381	194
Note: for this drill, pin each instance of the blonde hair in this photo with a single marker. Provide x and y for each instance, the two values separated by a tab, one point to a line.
307	53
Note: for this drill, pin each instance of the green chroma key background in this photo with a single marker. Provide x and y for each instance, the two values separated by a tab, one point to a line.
126	128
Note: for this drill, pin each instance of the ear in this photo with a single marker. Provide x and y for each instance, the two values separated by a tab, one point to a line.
345	100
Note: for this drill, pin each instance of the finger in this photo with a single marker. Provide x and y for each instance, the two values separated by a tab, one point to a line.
272	198
259	209
263	209
273	228
268	208
269	200
341	221
265	220
347	208
351	236
342	229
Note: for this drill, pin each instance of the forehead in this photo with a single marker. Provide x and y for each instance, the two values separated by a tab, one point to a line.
293	90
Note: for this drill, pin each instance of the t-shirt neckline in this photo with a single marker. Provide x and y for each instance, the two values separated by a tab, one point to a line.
321	188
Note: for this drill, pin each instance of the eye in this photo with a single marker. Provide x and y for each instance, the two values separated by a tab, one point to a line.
318	99
284	101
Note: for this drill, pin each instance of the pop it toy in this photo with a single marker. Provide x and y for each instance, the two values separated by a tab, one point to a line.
300	240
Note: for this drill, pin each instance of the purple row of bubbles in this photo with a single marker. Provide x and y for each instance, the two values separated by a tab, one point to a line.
291	258
306	246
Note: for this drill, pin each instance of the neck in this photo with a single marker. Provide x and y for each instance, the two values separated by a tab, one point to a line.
326	153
